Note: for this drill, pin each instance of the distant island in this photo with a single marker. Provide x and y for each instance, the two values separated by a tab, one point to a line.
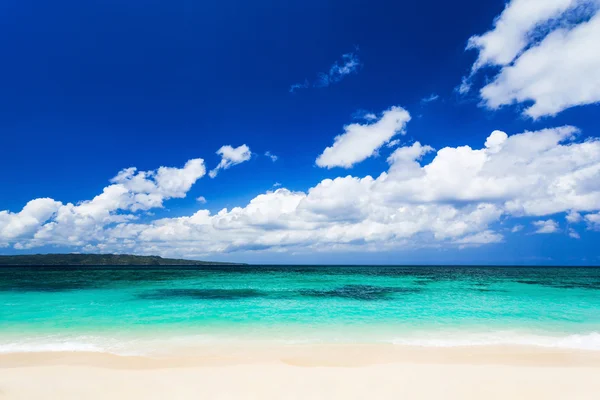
98	259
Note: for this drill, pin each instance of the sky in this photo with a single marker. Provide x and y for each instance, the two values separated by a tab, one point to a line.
302	132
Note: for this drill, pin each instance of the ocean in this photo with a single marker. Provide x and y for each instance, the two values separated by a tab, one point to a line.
155	310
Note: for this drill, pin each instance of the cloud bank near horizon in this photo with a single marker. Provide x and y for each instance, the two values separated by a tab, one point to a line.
463	197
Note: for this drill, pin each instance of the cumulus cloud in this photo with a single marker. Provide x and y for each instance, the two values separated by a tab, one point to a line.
593	221
201	200
485	237
231	156
29	219
529	42
460	198
142	190
548	226
348	65
545	76
361	141
511	32
573	217
47	221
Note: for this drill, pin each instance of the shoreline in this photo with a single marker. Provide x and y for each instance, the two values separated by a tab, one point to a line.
313	355
170	343
307	372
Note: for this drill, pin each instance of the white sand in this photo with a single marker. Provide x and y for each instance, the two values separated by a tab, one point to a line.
307	372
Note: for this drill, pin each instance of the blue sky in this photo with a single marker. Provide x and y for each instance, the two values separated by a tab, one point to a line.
92	88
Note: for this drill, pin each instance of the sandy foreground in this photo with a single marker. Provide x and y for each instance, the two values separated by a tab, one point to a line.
307	372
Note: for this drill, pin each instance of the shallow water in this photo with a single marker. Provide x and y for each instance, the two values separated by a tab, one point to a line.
122	309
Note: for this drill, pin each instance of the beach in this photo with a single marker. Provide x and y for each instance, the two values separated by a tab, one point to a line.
298	332
311	200
307	372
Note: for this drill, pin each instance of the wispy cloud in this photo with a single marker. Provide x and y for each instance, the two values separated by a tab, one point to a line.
429	99
296	86
465	86
272	156
393	143
348	64
573	234
364	114
517	228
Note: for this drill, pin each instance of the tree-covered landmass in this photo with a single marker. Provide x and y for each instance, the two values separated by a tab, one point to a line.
98	259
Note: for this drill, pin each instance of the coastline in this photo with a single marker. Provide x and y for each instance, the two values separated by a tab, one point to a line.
299	333
306	371
313	355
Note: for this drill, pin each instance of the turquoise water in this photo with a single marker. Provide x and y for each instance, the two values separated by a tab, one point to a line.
129	309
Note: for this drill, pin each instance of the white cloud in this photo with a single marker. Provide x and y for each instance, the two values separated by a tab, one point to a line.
511	32
201	200
403	161
231	156
430	98
361	141
348	65
273	157
573	234
47	221
30	218
545	76
548	226
593	221
141	190
529	42
364	115
480	238
517	228
460	198
573	217
392	143
296	86
465	86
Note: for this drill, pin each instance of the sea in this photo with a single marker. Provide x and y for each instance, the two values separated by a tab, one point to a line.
157	310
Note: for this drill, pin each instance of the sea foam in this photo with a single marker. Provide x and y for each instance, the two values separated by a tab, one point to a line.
588	341
165	346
